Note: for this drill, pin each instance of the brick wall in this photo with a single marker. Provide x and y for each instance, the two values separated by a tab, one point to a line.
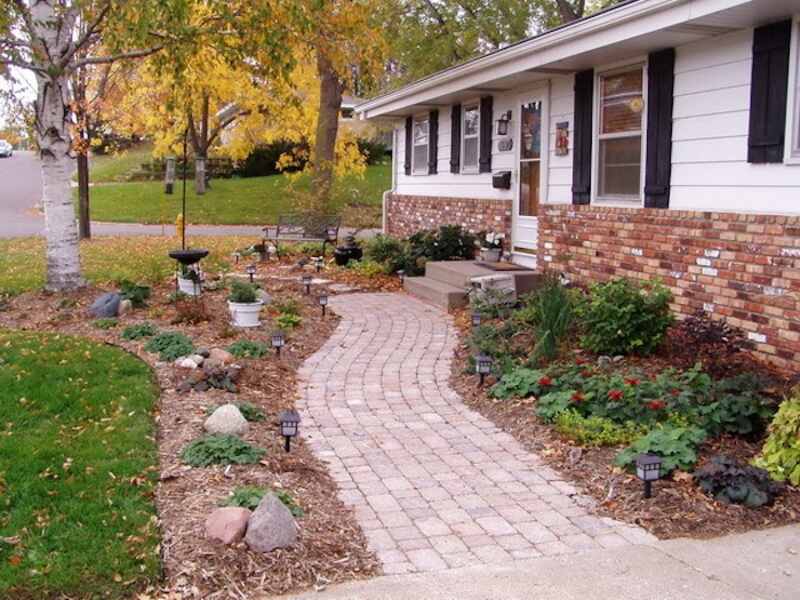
744	267
408	214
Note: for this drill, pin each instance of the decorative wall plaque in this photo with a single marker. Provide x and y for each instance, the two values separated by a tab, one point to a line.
562	138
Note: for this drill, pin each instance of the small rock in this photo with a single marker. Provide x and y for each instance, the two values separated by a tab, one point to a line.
125	306
221	355
227	420
211	365
228	524
603	361
204	352
198	359
106	306
618	358
271	526
188	363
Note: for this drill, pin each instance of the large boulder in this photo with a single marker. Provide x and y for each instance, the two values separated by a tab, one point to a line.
228	524
271	526
222	356
106	306
227	420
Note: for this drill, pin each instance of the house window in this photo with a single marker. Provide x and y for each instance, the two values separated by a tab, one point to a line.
470	138
794	94
420	163
621	119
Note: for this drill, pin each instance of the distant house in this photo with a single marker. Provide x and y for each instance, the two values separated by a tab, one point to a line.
657	138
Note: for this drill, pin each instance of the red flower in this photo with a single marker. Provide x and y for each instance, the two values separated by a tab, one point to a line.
578	397
586	374
615	395
656	404
631	381
545	381
676	392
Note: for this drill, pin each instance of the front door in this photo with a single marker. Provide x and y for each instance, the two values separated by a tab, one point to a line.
532	157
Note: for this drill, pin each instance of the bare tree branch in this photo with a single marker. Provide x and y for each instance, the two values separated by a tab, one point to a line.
91	30
104	60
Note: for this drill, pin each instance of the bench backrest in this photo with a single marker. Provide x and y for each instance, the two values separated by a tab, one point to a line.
302	226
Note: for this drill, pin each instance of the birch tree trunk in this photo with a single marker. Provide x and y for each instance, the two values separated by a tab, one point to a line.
54	27
330	103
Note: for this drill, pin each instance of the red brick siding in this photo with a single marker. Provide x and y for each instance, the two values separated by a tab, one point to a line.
408	214
744	267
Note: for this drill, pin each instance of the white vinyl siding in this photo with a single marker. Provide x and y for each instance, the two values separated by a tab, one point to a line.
470	137
420	148
793	121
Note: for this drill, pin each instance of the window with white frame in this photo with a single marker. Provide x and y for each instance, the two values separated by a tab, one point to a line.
794	93
470	126
620	126
420	141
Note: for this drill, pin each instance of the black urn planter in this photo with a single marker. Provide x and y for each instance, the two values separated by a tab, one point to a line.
347	252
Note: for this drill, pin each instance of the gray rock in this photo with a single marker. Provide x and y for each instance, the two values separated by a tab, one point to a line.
227	525
204	352
106	306
271	526
223	356
187	363
198	359
227	420
125	306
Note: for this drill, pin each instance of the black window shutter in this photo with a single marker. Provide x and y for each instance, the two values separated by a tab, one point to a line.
409	133
455	139
485	159
433	142
769	92
582	154
660	94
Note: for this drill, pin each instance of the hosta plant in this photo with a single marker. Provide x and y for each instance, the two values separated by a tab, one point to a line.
220	450
732	482
781	452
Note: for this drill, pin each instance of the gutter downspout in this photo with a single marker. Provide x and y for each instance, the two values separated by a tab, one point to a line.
387	194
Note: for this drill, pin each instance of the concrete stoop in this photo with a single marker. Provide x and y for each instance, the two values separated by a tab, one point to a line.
445	283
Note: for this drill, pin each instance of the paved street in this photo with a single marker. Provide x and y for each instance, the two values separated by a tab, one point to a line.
434	484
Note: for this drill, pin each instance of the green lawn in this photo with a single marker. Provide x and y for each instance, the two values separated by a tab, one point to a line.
77	469
114	167
252	201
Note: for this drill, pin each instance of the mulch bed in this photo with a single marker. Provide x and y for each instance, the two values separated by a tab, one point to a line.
678	507
331	547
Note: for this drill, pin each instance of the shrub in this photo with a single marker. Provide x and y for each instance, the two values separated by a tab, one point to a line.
551	405
105	324
675	444
550	311
624	317
737	407
384	248
729	481
449	242
263	160
310	248
170	345
373	150
288	321
248	349
780	455
243	292
290	306
137	332
134	292
220	450
367	268
596	431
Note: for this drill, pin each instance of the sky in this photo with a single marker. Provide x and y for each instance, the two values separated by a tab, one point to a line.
25	89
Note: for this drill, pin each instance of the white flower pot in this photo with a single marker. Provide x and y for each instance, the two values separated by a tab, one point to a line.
189	287
490	254
245	315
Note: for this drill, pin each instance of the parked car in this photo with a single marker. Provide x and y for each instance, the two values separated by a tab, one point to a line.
6	150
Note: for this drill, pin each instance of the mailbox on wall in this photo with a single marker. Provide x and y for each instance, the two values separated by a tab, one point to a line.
501	180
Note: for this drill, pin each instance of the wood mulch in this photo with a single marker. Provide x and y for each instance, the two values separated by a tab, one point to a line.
331	547
678	507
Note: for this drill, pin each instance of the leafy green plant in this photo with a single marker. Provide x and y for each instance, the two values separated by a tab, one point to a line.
366	268
220	450
493	303
289	502
675	444
288	321
243	292
737	409
596	431
139	331
625	317
384	249
521	383
250	497
289	306
106	324
780	455
248	349
732	482
551	405
137	294
170	345
550	311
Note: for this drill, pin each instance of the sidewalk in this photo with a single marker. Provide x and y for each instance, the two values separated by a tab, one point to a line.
762	565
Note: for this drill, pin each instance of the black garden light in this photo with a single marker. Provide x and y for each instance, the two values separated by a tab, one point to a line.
323	302
402	275
278	341
306	279
290	422
476	319
483	366
318	262
251	271
648	469
236	256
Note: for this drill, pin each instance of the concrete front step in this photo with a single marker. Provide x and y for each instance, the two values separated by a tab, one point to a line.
456	273
438	293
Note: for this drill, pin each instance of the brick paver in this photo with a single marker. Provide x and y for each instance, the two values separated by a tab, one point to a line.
434	484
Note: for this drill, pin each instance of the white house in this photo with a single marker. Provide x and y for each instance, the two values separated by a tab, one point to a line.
655	138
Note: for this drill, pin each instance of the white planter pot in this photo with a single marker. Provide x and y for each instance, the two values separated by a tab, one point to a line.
490	254
189	287
245	315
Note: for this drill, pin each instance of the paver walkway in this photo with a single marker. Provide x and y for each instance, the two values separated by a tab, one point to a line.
434	484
